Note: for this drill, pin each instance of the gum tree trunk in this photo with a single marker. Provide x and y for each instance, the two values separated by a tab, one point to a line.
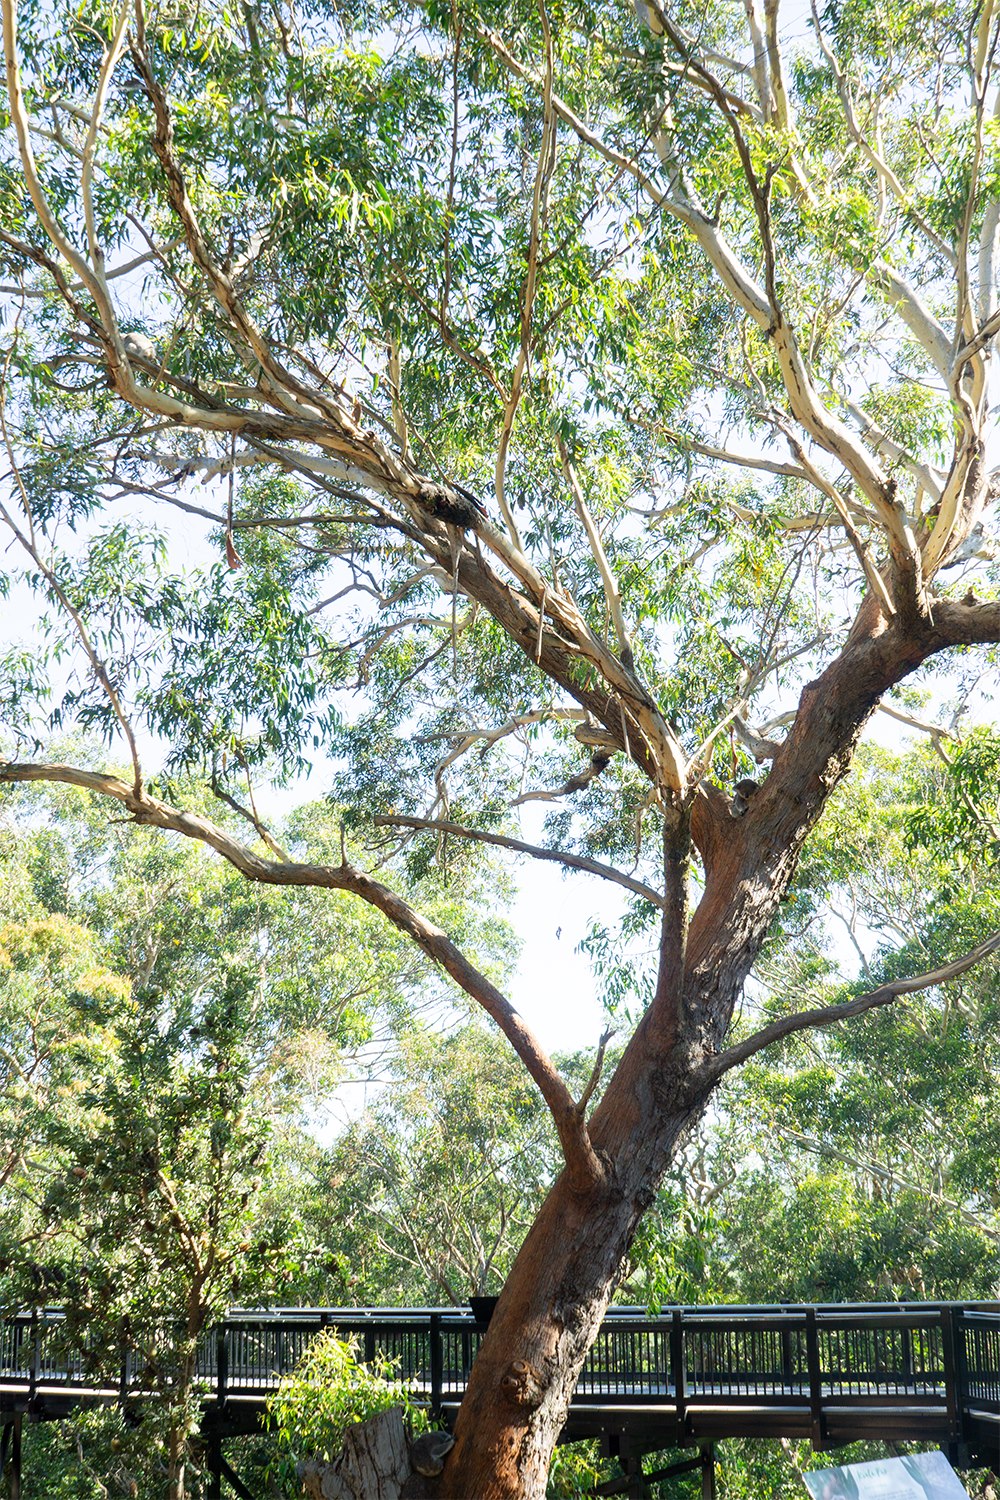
545	1322
557	1292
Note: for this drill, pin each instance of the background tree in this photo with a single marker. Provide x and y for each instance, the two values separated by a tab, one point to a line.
588	266
167	1029
434	1187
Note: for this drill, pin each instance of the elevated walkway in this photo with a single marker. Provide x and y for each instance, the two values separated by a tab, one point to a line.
924	1372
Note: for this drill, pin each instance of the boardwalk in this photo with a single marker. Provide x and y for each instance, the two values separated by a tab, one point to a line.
928	1372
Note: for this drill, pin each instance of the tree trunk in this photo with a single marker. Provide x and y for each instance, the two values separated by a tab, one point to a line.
545	1322
556	1295
182	1410
373	1465
177	1464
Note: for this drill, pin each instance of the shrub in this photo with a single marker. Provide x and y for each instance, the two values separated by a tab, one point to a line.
328	1391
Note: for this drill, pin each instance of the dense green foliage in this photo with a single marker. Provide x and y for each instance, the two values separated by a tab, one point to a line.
330	1389
166	1033
122	964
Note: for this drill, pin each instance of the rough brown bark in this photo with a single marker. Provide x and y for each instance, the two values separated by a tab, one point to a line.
563	1278
545	1322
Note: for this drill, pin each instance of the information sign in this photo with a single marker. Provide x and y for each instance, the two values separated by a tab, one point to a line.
920	1476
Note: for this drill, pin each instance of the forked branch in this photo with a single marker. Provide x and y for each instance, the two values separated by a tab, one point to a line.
518	846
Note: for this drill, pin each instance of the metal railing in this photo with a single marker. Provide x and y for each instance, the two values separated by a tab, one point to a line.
938	1357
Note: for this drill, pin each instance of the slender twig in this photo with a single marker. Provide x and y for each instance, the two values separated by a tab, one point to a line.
596	1070
29	543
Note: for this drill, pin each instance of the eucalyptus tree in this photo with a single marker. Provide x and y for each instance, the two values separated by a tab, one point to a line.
603	395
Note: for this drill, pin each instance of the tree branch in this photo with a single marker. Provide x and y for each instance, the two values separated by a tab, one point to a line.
537	851
596	1070
539	213
829	1015
582	1162
608	581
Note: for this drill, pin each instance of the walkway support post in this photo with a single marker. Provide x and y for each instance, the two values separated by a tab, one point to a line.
437	1366
708	1472
637	1487
15	1459
214	1456
123	1370
815	1381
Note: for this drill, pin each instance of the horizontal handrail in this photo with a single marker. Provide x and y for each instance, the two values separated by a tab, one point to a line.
813	1358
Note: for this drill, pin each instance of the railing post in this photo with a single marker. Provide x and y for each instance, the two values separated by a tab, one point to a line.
677	1365
786	1358
952	1339
36	1356
437	1366
123	1363
221	1365
815	1379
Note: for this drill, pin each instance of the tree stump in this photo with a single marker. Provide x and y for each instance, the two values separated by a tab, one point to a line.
374	1464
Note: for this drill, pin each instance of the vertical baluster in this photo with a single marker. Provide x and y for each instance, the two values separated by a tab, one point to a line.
36	1355
221	1365
786	1359
436	1366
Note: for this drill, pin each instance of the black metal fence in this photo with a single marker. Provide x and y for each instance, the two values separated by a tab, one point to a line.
942	1356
